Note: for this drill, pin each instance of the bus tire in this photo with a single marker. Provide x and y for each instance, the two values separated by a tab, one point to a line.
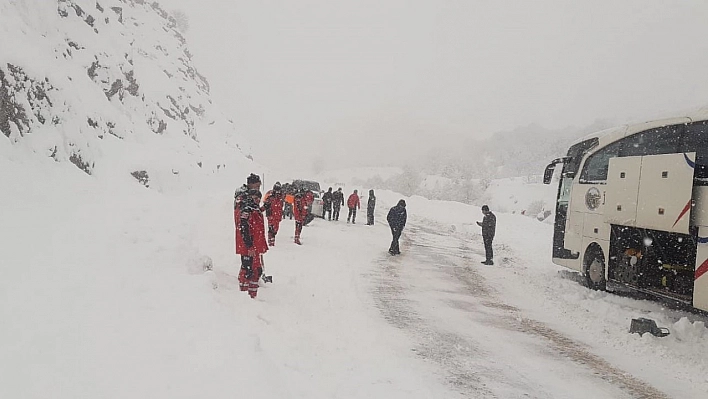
595	270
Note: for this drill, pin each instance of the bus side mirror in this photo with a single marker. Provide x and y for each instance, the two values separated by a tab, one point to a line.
548	173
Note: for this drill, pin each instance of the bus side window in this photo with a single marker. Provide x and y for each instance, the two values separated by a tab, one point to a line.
595	168
664	140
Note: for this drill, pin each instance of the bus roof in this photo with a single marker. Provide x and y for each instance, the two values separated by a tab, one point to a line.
613	134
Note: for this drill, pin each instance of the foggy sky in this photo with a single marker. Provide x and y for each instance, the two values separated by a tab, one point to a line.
376	82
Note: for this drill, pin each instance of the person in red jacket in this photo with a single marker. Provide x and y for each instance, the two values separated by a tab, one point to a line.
309	200
273	205
253	182
353	204
250	242
300	212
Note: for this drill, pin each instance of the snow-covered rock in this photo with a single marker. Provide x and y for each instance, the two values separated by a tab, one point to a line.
109	86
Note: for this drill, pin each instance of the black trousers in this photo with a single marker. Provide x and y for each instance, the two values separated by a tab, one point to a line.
335	213
352	214
327	208
308	218
370	216
488	251
396	233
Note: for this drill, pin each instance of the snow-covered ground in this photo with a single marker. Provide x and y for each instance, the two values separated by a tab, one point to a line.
104	294
103	287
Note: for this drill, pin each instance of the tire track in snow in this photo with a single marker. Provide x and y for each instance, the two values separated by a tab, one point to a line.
390	298
443	347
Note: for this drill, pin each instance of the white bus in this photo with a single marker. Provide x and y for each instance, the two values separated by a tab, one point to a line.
632	209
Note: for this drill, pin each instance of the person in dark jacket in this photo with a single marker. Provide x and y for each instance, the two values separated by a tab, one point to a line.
337	203
327	199
370	205
396	221
489	226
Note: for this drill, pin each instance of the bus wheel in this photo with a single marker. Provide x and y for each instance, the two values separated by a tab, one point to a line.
595	271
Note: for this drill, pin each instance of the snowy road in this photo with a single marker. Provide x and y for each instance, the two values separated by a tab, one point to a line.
434	322
109	298
486	347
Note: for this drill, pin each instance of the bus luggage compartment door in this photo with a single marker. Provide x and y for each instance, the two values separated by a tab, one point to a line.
623	191
665	190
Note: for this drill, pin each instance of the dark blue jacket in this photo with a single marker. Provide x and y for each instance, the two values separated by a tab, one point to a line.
397	217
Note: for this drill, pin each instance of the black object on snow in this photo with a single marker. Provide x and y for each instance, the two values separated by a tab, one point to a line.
642	325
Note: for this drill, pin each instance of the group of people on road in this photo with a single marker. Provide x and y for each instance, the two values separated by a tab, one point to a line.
250	224
396	216
332	202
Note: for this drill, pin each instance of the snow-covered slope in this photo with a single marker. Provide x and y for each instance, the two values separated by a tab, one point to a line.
109	86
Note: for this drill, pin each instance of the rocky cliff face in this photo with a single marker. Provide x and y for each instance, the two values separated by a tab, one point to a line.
108	82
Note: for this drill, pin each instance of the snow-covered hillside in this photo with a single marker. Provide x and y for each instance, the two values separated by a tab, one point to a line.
111	290
109	86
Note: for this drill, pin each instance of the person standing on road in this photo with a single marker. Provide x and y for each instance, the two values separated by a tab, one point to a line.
251	242
253	182
370	206
309	200
300	212
327	199
396	219
273	206
489	226
353	204
337	203
289	191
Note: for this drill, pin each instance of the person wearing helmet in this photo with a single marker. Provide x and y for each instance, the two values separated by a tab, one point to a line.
300	212
273	206
253	182
251	242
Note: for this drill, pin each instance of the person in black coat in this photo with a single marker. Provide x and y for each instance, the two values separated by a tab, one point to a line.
338	201
489	226
370	208
396	221
327	199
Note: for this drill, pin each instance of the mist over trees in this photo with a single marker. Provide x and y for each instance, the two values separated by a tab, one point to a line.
462	171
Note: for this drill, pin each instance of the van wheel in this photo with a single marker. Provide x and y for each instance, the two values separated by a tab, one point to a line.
595	271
